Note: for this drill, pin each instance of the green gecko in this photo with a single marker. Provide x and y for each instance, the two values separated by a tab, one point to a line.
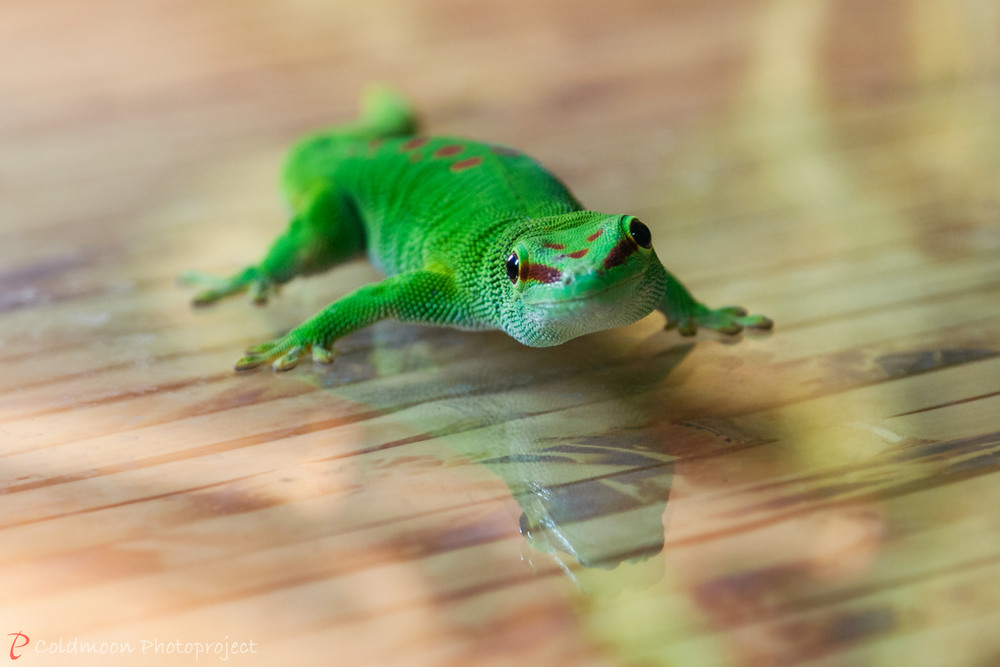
471	235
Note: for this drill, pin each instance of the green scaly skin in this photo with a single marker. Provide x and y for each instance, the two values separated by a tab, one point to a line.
470	235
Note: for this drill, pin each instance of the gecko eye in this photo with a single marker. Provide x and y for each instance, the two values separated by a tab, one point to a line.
513	267
640	234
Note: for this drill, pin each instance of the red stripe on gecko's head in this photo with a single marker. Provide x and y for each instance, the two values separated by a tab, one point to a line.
467	163
596	235
620	253
540	272
554	246
578	254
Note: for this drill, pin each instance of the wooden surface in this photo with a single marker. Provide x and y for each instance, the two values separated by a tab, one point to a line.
825	494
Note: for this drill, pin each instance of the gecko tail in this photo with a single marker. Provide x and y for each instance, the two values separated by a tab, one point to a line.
385	112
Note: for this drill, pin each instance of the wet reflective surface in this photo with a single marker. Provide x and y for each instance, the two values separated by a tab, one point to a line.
821	494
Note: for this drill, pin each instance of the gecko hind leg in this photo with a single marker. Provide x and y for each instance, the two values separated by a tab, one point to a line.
324	232
250	280
325	228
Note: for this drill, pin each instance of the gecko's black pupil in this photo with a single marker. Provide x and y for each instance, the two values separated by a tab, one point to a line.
513	267
640	233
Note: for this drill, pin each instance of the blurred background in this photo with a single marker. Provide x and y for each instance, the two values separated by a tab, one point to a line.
862	102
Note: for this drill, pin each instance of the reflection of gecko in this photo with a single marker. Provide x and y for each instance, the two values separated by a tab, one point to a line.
471	235
599	498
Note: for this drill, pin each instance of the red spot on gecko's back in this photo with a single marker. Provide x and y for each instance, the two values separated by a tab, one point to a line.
413	144
596	235
503	150
467	163
579	253
449	150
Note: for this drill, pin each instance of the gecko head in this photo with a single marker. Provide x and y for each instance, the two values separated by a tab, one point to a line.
577	273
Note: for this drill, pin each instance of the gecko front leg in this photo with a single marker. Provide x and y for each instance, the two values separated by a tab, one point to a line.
686	314
416	296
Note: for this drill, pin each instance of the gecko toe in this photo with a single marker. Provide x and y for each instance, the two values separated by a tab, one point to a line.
262	349
248	362
687	327
260	291
289	360
757	322
730	329
322	355
206	298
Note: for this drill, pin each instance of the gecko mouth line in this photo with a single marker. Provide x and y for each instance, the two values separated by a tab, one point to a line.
586	297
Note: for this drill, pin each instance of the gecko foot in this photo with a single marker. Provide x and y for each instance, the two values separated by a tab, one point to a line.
284	353
250	280
730	320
